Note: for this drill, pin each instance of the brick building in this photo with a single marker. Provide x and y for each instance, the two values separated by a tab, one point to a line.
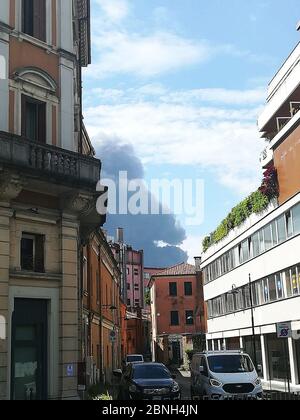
177	312
101	351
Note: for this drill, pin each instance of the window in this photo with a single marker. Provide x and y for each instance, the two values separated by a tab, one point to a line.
137	303
33	119
128	286
136	287
34	18
281	229
91	281
255	245
279	286
247	298
297	351
128	302
268	237
289	223
296	218
84	275
272	289
189	317
295	283
255	296
274	233
174	318
288	283
277	355
32	253
97	287
266	290
98	356
244	251
173	289
230	303
188	289
261	241
136	272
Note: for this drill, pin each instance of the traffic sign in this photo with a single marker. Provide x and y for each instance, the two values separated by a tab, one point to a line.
113	336
284	330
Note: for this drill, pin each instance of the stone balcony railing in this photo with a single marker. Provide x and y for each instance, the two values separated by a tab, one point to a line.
46	161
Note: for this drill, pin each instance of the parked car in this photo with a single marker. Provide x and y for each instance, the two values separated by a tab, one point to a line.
133	358
148	381
224	375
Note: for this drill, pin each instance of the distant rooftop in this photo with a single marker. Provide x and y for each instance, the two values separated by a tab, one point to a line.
183	269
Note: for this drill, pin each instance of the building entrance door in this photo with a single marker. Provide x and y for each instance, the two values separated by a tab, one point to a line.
29	350
176	352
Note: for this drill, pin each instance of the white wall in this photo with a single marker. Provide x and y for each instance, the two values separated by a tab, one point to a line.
271	262
67	105
267	315
4	92
65	24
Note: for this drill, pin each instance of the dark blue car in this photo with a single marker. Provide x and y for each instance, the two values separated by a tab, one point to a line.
148	381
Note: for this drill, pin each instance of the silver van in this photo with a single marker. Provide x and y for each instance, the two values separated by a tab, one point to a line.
224	375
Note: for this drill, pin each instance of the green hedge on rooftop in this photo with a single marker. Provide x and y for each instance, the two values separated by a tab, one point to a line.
256	203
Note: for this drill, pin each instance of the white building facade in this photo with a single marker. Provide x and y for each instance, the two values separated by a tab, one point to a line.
264	252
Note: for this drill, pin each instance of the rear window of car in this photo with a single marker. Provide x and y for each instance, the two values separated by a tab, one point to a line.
151	372
132	359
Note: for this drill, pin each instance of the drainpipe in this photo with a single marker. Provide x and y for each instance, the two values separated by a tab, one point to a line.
100	309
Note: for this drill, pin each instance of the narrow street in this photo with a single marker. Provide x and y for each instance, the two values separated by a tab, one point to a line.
183	379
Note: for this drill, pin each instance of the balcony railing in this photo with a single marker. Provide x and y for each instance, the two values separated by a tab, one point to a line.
46	160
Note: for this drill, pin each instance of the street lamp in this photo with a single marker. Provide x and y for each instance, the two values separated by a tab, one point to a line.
234	291
252	322
112	308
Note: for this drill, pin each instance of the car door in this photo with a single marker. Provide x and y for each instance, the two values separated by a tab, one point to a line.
205	377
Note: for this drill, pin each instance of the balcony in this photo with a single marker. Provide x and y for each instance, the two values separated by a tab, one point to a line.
284	88
49	163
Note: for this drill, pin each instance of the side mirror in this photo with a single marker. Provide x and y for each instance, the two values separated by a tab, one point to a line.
118	373
201	369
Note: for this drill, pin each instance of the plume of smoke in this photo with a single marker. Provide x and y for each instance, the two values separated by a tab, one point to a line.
141	231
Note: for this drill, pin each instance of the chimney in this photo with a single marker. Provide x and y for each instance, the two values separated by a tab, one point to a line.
198	261
120	235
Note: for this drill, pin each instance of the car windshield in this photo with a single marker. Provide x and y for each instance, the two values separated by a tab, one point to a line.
151	372
230	364
131	359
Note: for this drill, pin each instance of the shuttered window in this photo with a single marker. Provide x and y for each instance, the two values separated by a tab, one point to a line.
34	18
33	119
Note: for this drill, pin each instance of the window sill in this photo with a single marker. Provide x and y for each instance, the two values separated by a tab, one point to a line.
35	41
35	276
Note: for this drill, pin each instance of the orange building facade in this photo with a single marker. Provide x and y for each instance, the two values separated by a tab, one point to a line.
102	312
177	312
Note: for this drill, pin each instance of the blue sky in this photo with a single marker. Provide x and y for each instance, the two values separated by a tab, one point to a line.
183	83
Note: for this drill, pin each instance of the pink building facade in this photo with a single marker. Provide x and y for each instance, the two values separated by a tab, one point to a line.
135	278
